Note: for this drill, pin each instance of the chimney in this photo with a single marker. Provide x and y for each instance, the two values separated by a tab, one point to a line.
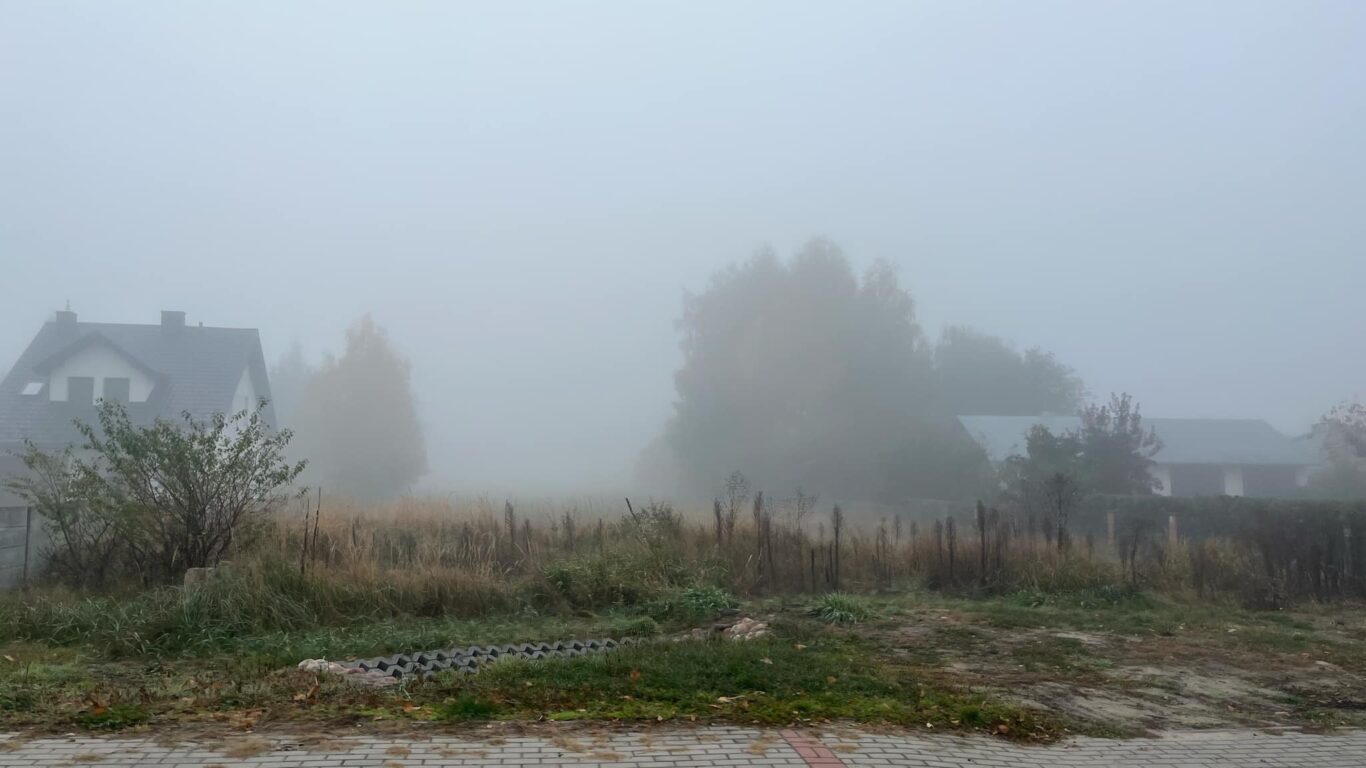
172	321
66	318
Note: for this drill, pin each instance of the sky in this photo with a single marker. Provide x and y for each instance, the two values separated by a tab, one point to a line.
1170	196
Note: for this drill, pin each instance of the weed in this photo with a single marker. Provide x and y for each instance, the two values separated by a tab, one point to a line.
467	707
113	717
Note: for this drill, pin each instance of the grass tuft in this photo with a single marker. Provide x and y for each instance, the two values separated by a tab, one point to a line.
839	608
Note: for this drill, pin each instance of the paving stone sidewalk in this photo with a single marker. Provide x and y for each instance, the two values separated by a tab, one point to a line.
705	747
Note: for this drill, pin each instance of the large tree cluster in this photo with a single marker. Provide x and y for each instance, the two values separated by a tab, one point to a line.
801	373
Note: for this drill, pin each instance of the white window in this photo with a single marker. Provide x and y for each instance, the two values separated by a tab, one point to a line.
33	387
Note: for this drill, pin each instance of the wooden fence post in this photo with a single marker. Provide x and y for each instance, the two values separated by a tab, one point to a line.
1110	527
28	535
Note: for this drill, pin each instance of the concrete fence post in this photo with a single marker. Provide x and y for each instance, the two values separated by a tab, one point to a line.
1110	527
1347	552
1172	537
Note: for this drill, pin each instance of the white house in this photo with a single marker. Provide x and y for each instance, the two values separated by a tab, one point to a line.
1199	457
160	370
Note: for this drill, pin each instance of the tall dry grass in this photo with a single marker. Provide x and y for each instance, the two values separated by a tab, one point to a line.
344	564
589	556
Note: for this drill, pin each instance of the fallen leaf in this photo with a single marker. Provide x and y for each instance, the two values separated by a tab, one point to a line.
307	695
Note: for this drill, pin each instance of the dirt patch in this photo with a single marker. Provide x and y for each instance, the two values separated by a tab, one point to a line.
1288	672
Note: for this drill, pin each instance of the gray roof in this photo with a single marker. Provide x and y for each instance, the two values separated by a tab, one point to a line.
196	369
1184	441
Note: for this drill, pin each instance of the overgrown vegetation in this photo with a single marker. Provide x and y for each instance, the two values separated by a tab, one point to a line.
417	560
337	580
148	502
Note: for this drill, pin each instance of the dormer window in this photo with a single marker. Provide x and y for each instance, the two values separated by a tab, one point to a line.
33	388
80	390
116	389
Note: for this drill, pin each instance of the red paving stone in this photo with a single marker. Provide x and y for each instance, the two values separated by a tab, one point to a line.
809	748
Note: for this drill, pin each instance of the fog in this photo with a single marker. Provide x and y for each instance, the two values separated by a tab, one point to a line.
1168	196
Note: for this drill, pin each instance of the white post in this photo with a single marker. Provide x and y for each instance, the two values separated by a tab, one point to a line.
1233	481
1163	475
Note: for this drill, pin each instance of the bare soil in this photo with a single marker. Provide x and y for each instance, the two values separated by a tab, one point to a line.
1302	670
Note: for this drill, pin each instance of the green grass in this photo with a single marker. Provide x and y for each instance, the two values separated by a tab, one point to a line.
379	638
1058	657
173	656
800	674
221	618
803	672
112	718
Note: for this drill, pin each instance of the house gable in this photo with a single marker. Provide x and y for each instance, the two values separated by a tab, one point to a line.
168	369
104	363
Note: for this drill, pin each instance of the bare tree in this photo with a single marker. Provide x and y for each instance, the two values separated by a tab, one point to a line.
1060	493
736	495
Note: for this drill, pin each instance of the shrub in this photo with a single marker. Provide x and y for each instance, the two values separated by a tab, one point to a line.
167	497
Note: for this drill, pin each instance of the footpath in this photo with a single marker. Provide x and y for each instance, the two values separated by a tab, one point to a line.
699	747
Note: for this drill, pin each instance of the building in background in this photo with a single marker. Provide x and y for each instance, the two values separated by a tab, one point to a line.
1199	457
156	370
